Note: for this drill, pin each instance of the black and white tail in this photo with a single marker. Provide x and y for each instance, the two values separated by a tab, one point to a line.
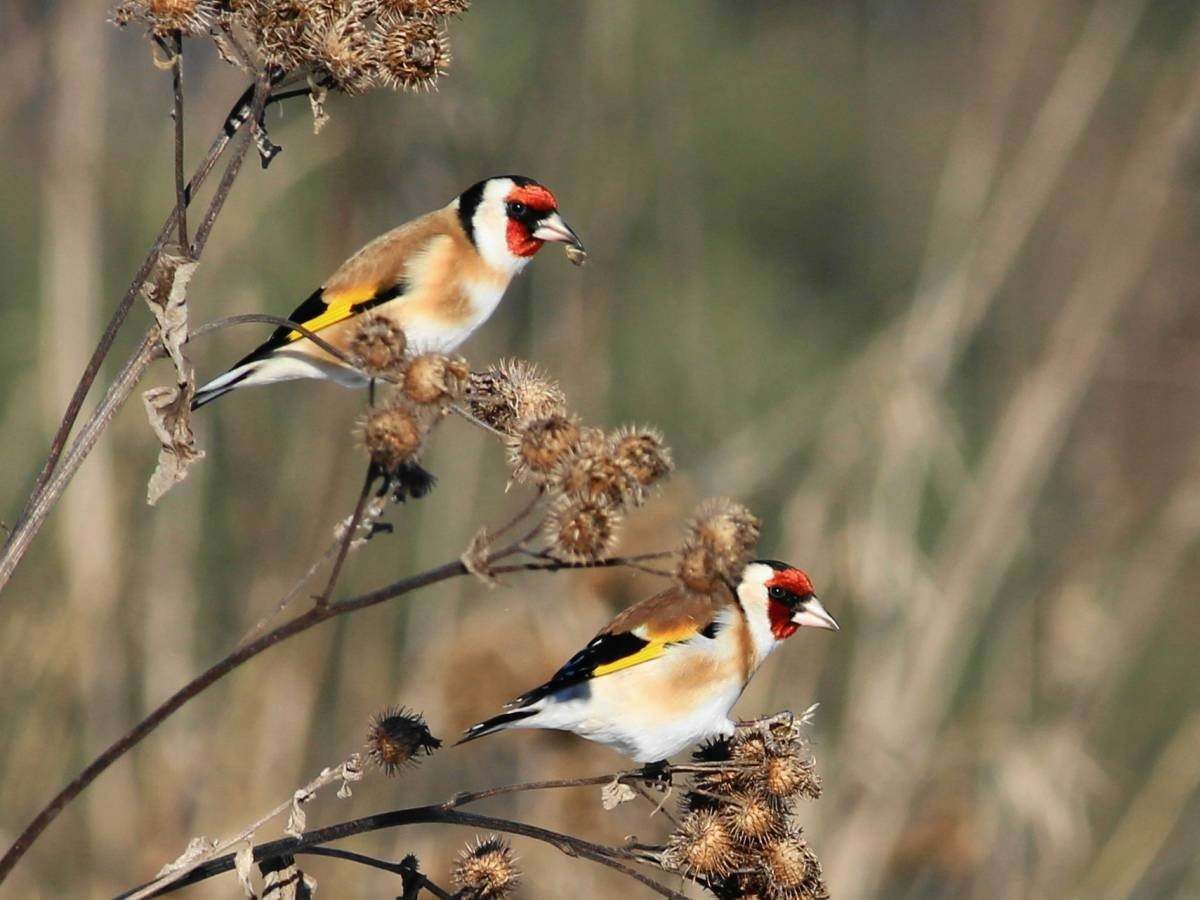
496	723
223	384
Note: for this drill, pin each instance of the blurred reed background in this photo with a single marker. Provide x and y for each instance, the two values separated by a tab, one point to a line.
915	280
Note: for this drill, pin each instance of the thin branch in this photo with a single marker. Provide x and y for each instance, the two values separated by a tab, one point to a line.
568	844
265	318
180	186
399	868
373	472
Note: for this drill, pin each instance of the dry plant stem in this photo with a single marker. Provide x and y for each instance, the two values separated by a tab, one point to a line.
422	881
30	520
240	655
327	777
180	187
322	599
264	318
438	814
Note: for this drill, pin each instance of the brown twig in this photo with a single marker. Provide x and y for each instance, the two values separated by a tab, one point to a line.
177	89
406	872
322	599
438	814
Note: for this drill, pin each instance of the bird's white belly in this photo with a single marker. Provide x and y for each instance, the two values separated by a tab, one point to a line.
435	334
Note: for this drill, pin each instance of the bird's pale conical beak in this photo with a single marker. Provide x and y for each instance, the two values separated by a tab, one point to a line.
812	614
553	228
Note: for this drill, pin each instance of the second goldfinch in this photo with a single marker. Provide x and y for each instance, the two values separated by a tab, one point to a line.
664	674
438	277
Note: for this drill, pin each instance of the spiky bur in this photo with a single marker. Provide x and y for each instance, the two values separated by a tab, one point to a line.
392	435
434	378
342	48
378	344
702	846
581	530
165	17
410	53
538	447
750	783
422	9
512	393
720	541
487	869
642	454
593	472
396	738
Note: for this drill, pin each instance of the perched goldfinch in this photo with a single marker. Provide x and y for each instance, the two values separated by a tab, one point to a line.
438	277
664	674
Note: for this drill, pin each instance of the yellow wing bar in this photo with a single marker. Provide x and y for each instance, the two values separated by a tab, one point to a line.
337	308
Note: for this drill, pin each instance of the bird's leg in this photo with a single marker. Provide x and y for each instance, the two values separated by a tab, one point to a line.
657	775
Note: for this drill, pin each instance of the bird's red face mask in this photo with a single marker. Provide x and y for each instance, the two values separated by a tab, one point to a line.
533	219
792	604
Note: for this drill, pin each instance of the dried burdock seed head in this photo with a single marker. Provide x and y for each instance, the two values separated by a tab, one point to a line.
378	344
342	48
792	870
434	378
697	569
278	29
396	737
755	818
164	17
581	530
488	869
642	453
789	775
538	447
410	53
392	435
593	472
720	541
717	781
512	393
702	846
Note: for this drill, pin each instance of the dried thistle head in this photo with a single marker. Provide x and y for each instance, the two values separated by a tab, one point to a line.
341	47
410	52
702	846
422	9
754	818
378	344
720	781
592	471
791	869
392	435
538	447
790	775
164	17
279	28
488	869
720	540
581	530
434	378
511	393
396	737
643	454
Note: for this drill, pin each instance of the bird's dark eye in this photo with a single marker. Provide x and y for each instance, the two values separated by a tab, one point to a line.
516	209
777	593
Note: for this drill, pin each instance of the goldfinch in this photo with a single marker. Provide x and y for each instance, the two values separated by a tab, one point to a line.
438	277
664	674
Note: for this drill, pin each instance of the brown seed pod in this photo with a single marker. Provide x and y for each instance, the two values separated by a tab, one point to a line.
164	17
410	52
511	393
392	435
434	378
728	531
538	447
396	737
790	775
592	471
643	454
487	870
378	344
755	818
792	870
342	48
702	846
580	530
697	569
